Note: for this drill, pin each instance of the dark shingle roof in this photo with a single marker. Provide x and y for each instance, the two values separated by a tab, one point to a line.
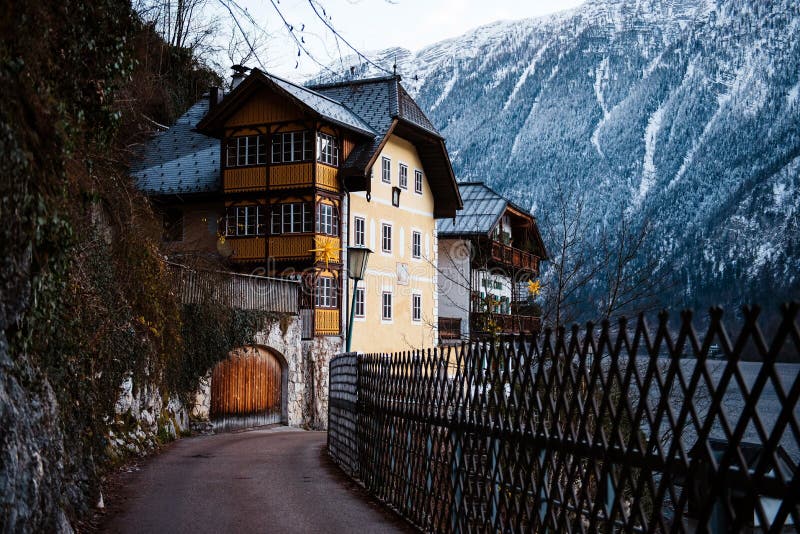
319	104
180	160
483	207
379	101
327	107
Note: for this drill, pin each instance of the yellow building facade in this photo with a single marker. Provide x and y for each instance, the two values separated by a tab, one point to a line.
397	300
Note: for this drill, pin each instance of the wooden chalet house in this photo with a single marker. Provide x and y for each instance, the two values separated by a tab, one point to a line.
488	254
279	179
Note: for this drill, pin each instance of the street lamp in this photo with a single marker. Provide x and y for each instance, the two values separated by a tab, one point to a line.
357	258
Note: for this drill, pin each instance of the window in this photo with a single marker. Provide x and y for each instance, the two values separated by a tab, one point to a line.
327	219
173	225
386	237
360	310
418	181
246	150
244	221
359	231
292	218
386	306
416	307
289	147
327	149
404	176
386	170
325	294
416	245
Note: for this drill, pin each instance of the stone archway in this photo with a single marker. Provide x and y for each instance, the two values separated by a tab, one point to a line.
249	388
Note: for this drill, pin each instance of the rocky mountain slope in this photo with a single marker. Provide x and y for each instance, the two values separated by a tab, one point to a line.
685	113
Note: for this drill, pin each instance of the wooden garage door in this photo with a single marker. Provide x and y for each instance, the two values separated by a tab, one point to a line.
246	389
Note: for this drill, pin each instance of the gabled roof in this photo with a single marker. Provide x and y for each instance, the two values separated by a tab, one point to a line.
483	208
180	160
313	102
386	106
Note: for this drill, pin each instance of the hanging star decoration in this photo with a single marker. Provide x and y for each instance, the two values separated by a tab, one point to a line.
534	287
326	250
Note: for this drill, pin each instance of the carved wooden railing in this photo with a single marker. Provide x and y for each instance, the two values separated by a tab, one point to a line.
482	323
514	257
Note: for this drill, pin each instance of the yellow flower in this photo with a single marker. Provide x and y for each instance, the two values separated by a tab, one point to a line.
534	287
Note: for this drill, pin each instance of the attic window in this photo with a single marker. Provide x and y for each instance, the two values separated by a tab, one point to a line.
404	176
327	149
386	170
246	150
418	181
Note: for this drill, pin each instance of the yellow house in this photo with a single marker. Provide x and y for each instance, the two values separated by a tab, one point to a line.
397	188
279	179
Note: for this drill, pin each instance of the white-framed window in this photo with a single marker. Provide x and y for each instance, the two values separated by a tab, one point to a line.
386	305
418	181
360	309
359	231
416	307
290	147
327	149
325	294
327	219
403	176
416	244
291	218
386	237
246	150
244	221
386	170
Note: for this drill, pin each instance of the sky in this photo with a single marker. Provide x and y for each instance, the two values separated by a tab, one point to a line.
371	25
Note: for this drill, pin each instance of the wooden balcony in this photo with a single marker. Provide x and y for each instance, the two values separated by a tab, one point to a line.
449	328
247	248
326	322
284	176
513	257
288	176
237	180
482	324
299	247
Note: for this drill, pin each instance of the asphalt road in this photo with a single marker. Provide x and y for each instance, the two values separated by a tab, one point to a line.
274	480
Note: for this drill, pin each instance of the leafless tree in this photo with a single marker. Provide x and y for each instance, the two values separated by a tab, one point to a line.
596	271
571	267
627	276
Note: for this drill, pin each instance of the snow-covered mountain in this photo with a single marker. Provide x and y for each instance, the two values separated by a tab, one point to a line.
685	113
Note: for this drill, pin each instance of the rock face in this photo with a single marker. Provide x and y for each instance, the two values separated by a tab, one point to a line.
31	448
144	419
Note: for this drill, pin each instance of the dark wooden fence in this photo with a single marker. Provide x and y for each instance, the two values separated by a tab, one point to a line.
240	291
622	428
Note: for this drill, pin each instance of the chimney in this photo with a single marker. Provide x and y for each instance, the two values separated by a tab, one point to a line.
239	74
214	95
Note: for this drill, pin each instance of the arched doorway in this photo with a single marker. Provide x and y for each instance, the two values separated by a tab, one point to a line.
248	389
